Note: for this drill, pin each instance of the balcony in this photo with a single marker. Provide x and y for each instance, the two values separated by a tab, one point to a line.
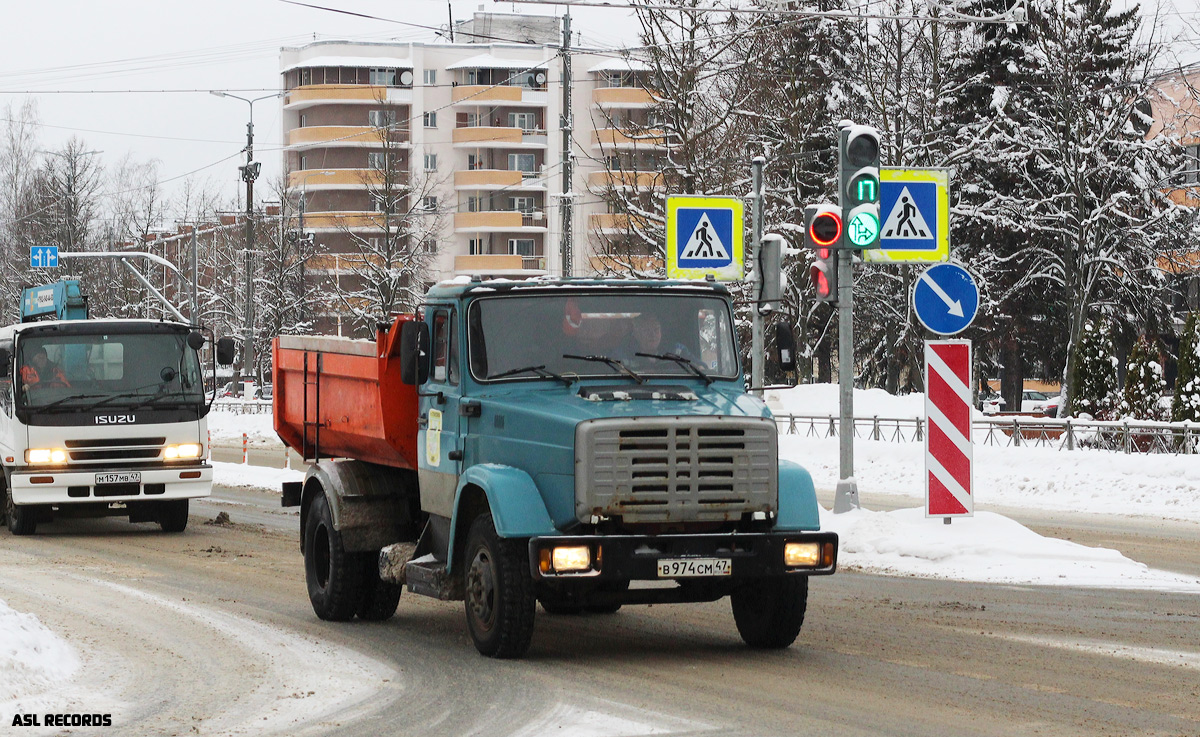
498	137
627	179
338	221
344	94
606	263
618	138
498	179
496	220
615	97
315	180
500	264
343	135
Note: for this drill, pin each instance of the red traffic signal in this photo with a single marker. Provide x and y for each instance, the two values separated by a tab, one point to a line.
825	227
824	281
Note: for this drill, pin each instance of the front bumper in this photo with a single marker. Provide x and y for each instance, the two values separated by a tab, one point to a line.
636	557
70	486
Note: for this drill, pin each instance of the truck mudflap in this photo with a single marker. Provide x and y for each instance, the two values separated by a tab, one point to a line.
710	557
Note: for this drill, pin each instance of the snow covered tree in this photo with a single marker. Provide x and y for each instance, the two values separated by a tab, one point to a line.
1144	383
1094	377
1186	403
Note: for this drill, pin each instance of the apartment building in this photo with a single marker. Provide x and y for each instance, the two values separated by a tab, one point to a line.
461	143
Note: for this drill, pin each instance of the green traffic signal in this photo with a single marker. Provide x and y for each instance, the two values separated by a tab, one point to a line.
858	180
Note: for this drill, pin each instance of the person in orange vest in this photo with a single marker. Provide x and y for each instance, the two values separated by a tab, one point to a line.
41	370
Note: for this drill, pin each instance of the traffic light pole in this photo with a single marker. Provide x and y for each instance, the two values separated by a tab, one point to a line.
757	351
846	497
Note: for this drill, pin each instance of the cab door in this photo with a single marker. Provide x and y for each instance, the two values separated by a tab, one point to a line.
440	460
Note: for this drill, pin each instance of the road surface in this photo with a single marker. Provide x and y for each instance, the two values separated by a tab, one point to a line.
210	632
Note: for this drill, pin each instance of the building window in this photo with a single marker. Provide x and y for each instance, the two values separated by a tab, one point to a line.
303	162
429	203
384	77
522	204
377	160
305	77
380	203
522	162
381	118
474	204
475	246
525	121
430	162
474	161
521	246
1191	164
431	120
303	120
430	77
429	244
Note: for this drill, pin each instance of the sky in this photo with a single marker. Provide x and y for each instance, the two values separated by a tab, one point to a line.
98	70
138	49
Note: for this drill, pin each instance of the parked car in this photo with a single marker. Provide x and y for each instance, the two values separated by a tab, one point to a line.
991	404
1033	401
266	391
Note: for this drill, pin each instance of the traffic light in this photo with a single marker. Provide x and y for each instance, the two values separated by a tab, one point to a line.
822	231
858	185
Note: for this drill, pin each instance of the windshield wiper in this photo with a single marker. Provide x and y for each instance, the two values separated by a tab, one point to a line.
64	400
612	363
683	363
133	394
539	370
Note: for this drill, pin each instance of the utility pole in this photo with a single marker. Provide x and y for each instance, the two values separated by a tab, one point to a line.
567	202
195	277
249	173
756	227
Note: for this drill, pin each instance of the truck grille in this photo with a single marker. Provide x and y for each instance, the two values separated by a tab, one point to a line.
675	469
134	450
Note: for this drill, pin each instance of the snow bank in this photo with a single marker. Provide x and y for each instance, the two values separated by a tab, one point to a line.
986	548
822	399
252	477
226	428
33	660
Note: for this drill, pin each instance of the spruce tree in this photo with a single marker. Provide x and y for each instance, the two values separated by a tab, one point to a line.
1094	381
1186	405
1143	383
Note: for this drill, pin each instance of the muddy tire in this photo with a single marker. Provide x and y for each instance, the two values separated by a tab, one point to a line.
334	576
769	612
20	520
378	599
173	515
500	600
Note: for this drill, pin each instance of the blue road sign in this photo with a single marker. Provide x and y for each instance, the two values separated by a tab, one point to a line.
946	298
43	256
914	217
704	237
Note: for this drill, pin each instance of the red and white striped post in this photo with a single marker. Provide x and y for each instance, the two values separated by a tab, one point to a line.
949	475
245	452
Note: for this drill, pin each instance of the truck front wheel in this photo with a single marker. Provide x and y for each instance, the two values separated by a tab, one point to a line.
21	520
769	612
334	576
500	598
173	515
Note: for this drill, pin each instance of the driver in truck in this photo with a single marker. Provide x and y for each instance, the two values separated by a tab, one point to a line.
41	369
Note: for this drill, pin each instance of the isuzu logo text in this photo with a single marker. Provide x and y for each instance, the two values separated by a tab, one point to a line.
116	419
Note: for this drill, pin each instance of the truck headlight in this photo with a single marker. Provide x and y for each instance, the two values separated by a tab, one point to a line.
45	455
802	555
565	559
184	450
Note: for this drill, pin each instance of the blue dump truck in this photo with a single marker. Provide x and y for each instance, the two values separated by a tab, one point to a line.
582	444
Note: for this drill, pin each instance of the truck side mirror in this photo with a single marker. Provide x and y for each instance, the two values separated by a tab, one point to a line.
785	347
414	353
225	351
5	362
195	340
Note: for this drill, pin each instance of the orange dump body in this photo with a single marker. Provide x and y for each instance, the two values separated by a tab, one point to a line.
343	398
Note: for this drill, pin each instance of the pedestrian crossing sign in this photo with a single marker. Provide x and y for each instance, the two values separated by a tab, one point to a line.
704	237
914	211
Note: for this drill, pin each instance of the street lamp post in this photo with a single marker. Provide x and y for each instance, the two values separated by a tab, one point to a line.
249	174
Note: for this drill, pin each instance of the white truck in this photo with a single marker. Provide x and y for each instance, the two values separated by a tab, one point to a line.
101	417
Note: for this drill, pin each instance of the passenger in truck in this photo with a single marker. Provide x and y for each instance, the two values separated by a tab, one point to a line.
41	370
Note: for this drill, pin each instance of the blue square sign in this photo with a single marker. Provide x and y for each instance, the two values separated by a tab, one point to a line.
43	256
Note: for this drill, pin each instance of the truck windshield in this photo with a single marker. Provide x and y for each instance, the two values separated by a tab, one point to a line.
677	334
113	370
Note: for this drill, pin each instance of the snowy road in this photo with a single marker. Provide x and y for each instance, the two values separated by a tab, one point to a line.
212	630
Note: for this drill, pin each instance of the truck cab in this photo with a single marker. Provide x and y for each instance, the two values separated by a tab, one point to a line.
102	417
